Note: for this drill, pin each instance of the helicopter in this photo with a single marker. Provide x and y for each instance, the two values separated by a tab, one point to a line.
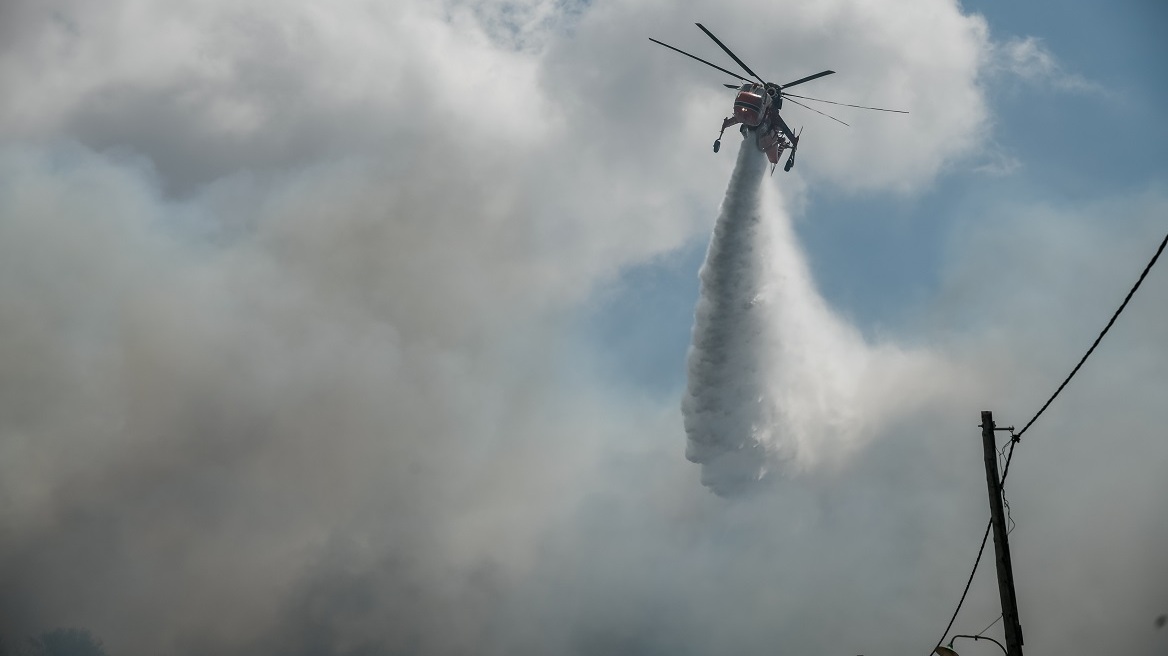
757	105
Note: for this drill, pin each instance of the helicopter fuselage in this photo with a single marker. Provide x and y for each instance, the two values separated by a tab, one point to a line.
756	108
751	105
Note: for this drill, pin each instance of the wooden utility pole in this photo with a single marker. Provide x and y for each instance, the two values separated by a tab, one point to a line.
1001	542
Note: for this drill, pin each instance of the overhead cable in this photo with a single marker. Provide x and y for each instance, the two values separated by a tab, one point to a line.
1098	339
980	551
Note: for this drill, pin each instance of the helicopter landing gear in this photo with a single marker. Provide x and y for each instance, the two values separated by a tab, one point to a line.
718	141
794	146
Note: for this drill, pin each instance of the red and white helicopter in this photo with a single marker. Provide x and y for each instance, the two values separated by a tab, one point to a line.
757	107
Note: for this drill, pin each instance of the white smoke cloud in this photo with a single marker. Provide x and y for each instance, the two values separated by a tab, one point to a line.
923	57
285	362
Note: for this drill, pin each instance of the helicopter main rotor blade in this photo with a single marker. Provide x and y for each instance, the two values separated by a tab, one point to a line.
879	109
807	79
819	112
700	59
732	55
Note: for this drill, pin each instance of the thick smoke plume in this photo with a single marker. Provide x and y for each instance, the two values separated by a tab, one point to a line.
775	377
298	353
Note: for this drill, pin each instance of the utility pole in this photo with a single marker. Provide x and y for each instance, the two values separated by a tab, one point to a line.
1001	543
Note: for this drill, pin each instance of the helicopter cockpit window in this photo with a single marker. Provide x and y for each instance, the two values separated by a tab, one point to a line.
747	86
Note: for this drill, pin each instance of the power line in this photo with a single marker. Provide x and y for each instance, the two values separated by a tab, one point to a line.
1009	513
1005	471
960	602
1098	339
1017	437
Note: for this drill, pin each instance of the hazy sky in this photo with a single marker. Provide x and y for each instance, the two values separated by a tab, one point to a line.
360	328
